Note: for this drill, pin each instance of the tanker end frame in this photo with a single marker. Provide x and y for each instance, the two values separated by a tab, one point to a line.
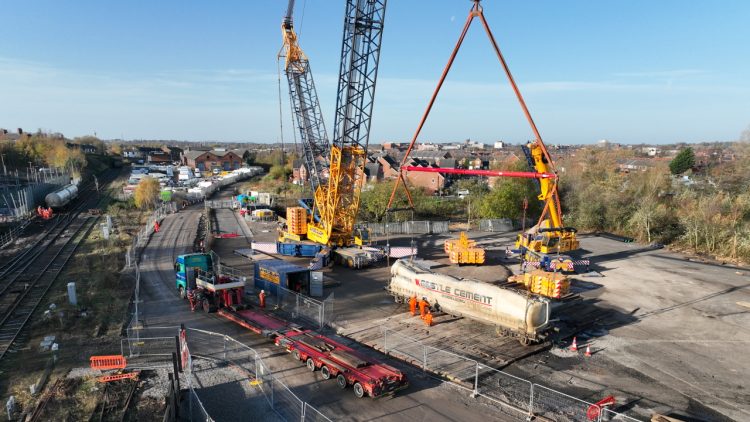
512	312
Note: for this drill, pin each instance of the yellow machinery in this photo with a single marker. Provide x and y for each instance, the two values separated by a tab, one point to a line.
549	284
336	170
464	251
549	235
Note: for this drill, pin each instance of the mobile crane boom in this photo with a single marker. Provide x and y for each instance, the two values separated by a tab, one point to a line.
305	103
337	202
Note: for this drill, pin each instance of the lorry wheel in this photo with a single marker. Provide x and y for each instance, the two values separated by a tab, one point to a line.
296	355
358	390
182	293
350	262
341	381
310	364
525	341
325	372
206	306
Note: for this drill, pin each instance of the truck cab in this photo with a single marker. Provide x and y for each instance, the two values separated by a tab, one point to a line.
187	267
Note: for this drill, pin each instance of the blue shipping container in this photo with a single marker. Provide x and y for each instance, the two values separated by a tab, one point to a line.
291	248
274	272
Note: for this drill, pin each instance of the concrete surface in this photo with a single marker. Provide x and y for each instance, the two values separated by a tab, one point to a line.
425	399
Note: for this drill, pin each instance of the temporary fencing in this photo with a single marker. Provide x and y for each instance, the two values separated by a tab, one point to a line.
255	372
408	227
297	305
496	225
521	398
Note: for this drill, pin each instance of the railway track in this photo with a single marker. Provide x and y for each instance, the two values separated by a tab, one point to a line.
25	280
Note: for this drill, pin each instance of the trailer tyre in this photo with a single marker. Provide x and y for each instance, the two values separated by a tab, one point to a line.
358	390
206	306
296	355
325	372
341	381
310	364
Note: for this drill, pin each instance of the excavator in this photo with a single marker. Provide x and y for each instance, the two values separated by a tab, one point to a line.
337	169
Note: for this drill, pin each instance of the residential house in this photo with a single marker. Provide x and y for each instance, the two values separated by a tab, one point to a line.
159	157
431	182
626	166
175	153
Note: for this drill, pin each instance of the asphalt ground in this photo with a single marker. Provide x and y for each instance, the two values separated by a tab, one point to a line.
426	398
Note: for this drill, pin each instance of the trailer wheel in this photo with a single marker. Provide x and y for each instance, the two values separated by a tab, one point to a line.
358	390
206	306
341	381
525	341
325	372
296	355
350	262
310	364
182	293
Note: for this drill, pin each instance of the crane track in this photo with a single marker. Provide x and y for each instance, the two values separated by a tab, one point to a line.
35	271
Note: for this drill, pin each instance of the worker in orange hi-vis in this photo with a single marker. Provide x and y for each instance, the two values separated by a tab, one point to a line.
423	307
156	226
428	319
413	305
262	298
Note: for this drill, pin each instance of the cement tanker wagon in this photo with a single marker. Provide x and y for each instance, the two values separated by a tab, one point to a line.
61	197
512	312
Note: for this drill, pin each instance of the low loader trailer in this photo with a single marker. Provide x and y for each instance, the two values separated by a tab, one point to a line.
344	364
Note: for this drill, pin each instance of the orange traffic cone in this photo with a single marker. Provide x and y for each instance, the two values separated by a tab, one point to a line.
574	346
588	351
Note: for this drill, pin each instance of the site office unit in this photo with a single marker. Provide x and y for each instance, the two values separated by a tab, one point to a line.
271	273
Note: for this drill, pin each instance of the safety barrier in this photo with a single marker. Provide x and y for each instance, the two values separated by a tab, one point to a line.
496	225
518	396
408	227
253	371
316	312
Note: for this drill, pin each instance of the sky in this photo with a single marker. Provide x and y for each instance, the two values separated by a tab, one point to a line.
638	71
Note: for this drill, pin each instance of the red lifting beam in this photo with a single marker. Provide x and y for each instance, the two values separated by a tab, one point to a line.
489	173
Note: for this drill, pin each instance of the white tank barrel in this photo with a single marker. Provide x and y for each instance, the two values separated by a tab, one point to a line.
61	197
511	310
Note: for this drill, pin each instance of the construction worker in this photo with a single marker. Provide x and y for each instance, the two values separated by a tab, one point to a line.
262	299
428	318
191	299
413	305
156	226
423	305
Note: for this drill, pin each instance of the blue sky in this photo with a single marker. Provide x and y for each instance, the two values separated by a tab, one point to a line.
629	71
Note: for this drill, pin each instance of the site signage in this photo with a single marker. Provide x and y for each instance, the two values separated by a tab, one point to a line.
453	293
269	275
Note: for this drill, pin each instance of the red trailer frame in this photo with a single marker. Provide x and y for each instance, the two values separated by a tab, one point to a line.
346	365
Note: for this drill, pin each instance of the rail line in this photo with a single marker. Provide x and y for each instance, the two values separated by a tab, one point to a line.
34	272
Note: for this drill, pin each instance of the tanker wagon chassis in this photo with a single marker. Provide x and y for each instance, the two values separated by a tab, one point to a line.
512	312
334	360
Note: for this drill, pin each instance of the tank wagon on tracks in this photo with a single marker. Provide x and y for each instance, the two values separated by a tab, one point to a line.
61	197
513	312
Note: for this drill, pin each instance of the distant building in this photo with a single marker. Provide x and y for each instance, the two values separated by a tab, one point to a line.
626	166
84	148
500	145
651	151
209	160
431	182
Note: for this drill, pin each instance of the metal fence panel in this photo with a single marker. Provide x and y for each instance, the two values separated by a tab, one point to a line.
450	364
609	415
398	345
286	404
264	378
197	412
313	415
439	227
503	387
561	407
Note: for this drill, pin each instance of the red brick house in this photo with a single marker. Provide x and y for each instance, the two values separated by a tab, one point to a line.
209	160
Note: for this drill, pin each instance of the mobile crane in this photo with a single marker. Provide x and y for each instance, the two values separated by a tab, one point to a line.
549	236
337	170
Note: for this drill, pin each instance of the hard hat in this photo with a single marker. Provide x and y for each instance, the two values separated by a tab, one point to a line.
263	291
